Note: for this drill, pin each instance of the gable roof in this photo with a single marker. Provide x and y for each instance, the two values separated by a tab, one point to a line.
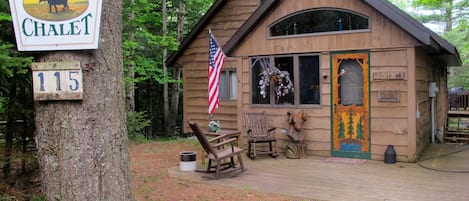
432	42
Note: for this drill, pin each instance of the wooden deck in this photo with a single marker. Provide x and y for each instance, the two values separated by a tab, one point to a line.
315	179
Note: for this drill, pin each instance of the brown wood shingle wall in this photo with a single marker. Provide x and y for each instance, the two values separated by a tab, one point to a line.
391	50
388	46
195	64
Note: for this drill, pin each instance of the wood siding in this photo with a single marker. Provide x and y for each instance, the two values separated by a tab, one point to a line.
428	70
195	64
391	50
388	45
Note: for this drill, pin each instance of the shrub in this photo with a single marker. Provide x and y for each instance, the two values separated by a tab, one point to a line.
136	124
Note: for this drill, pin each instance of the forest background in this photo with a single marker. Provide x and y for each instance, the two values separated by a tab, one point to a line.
153	91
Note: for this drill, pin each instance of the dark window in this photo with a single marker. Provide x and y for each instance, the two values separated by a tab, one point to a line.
319	21
275	84
284	64
228	85
260	90
309	79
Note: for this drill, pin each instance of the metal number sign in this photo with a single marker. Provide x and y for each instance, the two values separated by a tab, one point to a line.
57	81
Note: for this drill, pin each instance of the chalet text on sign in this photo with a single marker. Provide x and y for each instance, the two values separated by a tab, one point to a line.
56	24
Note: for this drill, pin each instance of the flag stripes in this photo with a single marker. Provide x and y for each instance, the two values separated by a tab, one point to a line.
216	60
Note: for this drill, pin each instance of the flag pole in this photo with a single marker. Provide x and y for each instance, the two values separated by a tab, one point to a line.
210	116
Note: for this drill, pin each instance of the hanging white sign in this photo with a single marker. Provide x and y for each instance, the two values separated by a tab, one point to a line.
56	24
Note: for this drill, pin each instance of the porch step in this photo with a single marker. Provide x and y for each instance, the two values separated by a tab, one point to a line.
457	126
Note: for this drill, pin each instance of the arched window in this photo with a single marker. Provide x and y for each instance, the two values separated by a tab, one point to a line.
319	21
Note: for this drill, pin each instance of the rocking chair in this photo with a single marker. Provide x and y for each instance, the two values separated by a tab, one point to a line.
258	132
223	149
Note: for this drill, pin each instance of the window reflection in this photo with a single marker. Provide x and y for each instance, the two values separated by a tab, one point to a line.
350	83
319	20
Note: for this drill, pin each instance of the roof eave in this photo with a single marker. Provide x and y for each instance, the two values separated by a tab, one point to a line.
250	24
433	43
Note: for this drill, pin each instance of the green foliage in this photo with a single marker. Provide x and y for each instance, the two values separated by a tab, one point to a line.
38	198
136	124
7	198
143	45
2	104
143	41
456	13
459	36
449	12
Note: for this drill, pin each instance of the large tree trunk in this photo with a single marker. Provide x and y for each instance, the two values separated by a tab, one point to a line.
82	145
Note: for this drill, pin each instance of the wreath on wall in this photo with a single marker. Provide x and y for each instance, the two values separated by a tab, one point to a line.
279	79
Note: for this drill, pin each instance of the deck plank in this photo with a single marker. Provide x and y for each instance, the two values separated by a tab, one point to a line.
314	178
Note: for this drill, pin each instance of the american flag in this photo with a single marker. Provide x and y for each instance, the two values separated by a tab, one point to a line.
216	59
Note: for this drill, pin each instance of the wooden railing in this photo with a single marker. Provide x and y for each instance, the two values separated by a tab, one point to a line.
457	123
458	100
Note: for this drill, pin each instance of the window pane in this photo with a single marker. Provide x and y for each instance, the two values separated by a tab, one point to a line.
234	85
223	89
257	67
309	79
350	83
281	94
315	21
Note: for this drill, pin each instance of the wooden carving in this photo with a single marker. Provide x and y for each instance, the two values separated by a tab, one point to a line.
296	122
296	148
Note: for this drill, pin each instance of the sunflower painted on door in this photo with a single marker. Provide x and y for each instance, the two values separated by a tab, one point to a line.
350	105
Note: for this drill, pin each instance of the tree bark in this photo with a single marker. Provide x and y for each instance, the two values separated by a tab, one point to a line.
82	145
164	26
174	106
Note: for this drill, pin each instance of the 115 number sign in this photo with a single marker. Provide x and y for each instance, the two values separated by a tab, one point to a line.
57	81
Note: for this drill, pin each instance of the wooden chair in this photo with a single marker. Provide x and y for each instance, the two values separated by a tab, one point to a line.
258	132
217	150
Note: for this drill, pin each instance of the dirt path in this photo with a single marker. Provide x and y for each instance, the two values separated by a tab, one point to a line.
151	181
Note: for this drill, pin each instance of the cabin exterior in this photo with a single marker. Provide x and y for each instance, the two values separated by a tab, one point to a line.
366	74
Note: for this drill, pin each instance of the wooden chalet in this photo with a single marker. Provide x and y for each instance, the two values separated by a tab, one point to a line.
363	71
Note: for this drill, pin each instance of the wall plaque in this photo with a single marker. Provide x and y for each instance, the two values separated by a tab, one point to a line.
57	81
389	96
388	75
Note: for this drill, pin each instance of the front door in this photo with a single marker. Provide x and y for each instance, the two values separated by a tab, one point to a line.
350	105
